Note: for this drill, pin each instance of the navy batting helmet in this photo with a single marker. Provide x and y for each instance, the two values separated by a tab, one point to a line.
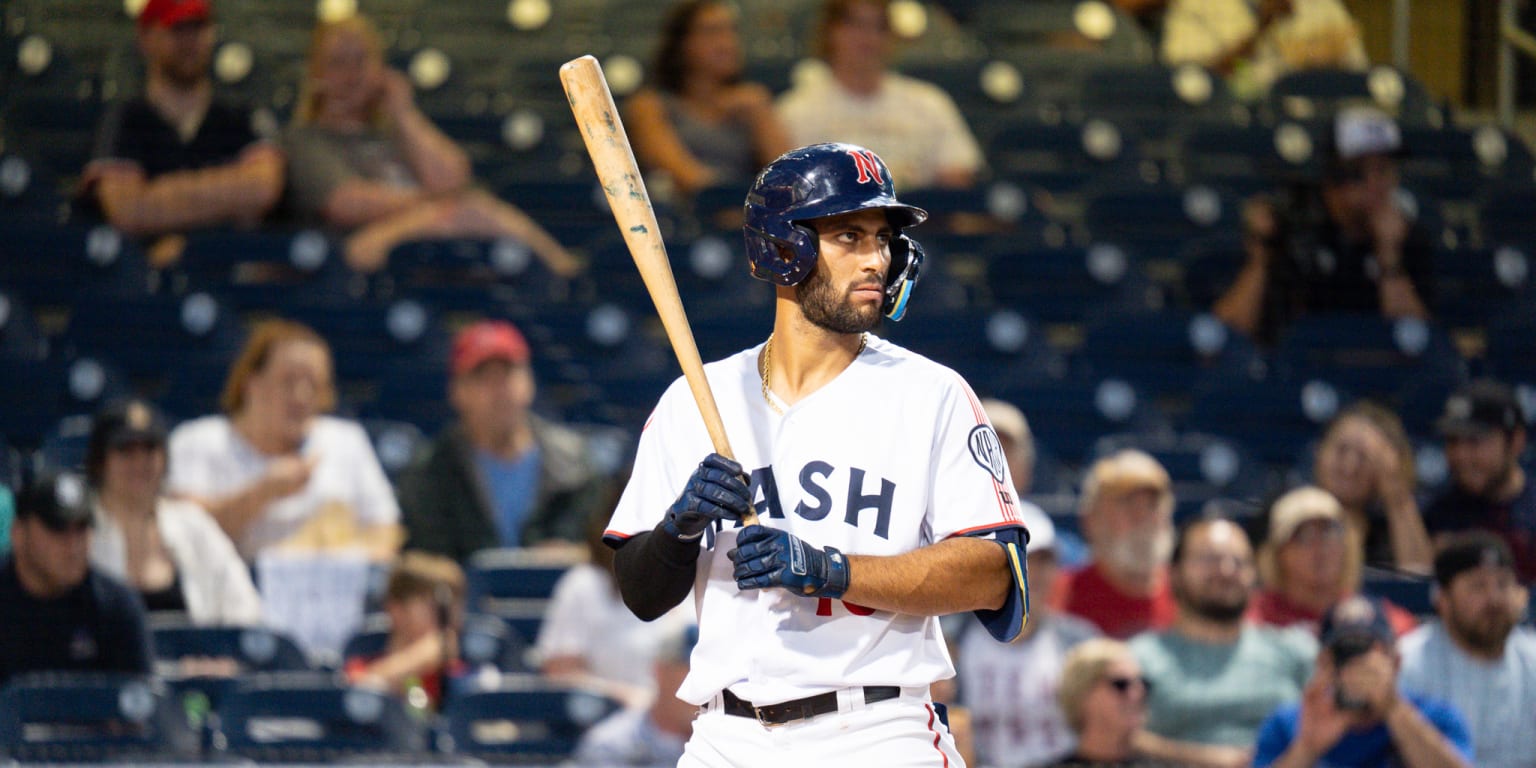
826	180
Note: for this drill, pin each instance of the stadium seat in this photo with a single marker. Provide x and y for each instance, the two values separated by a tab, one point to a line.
52	389
1068	284
1064	157
1165	353
64	447
1154	99
1203	467
524	719
369	338
311	718
1156	221
27	185
1458	163
1475	286
1209	265
1411	593
1305	93
265	270
992	348
51	264
1511	352
1242	159
483	641
1368	355
514	585
150	335
20	336
1506	214
1275	418
1069	415
55	717
395	442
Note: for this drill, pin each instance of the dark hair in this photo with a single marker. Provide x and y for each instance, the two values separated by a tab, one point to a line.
670	67
832	12
1188	527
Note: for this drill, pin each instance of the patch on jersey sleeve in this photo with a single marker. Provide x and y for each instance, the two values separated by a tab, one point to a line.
987	451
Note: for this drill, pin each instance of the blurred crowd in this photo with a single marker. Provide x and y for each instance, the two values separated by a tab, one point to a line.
1220	639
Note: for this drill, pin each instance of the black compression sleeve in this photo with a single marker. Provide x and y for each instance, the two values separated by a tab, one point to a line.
655	572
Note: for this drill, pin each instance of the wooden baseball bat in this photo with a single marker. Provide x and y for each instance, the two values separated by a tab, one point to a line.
603	131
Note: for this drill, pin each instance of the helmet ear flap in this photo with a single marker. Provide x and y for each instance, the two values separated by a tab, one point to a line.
906	266
781	252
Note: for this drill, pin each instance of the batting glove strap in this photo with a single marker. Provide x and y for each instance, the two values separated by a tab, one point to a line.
766	557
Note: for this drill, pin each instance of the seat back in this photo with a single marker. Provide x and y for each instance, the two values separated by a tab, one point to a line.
289	718
97	718
524	719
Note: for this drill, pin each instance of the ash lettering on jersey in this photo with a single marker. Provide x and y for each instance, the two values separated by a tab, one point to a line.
987	451
868	166
819	482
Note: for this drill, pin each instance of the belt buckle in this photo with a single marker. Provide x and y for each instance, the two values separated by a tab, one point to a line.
757	712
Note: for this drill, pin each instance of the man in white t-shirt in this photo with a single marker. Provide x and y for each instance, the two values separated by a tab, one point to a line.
881	497
1477	657
272	469
850	96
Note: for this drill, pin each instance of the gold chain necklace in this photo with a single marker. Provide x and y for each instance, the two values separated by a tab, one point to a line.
767	368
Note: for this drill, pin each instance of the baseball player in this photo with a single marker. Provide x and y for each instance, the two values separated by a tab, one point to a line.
883	497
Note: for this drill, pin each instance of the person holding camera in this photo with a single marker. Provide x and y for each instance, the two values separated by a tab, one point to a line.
1352	713
1341	245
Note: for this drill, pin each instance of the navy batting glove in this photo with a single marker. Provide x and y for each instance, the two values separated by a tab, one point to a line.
716	491
767	557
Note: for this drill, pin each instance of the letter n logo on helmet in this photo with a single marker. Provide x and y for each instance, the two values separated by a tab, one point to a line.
868	165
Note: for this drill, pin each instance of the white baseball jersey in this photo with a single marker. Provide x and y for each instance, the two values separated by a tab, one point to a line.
893	454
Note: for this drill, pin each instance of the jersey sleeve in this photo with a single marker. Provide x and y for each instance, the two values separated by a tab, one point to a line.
657	477
973	496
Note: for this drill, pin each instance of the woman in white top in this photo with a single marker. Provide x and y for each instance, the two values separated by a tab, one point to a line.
272	470
170	551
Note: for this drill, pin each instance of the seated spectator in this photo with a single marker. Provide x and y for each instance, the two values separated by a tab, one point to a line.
1310	560
1351	713
590	636
1147	13
1018	444
651	735
1254	43
1104	698
169	550
175	157
1340	245
698	124
1484	430
1366	461
1010	689
850	96
499	476
1127	517
425	603
363	159
1214	676
59	613
271	469
1477	657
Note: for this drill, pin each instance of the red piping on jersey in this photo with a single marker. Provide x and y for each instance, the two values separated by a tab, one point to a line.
936	735
612	534
1007	510
988	528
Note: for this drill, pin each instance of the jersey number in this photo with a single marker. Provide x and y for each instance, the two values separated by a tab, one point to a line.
824	607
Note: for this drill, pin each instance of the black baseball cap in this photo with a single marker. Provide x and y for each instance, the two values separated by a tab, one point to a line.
1470	550
1479	407
1359	619
59	500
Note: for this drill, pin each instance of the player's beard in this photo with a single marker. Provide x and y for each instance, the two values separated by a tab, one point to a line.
826	308
1485	631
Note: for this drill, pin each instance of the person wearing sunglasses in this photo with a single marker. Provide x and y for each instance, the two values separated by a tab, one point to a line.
1104	698
56	611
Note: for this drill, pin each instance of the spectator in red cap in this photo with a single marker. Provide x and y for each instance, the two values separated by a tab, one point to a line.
364	159
175	157
500	476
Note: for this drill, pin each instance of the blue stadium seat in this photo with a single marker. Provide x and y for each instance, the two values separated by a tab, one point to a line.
1459	163
1165	353
91	718
1064	157
1411	593
1275	418
1475	286
369	338
483	641
395	442
1511	352
1203	467
151	335
267	269
311	718
1155	99
1068	284
20	336
513	585
1241	159
52	264
51	389
1368	355
28	185
1069	415
64	447
1304	93
525	719
1157	221
1210	264
992	348
1506	214
494	277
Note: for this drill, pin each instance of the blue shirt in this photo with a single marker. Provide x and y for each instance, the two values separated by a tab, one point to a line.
1368	748
512	487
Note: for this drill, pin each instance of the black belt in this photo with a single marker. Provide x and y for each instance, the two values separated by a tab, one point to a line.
799	709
